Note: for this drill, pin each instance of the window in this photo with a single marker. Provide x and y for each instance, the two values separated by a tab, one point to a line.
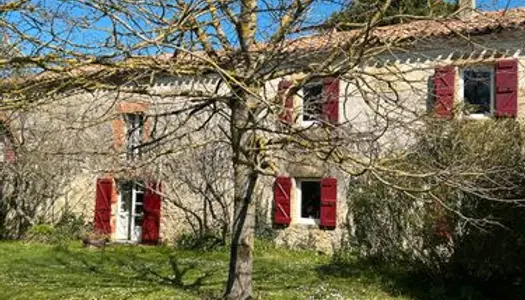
478	90
309	200
134	132
312	202
313	102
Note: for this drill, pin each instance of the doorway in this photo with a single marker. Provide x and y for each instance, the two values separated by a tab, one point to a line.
130	211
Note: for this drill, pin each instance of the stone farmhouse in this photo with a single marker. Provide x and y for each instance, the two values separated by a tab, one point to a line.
470	67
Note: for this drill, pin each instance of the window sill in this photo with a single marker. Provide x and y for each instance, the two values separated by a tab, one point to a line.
478	117
308	221
309	123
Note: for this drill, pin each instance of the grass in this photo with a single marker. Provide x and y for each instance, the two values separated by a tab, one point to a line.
38	271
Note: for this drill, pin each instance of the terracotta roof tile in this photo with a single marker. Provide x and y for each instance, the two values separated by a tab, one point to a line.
478	23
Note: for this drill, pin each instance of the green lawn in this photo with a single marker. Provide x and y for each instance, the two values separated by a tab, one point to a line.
36	271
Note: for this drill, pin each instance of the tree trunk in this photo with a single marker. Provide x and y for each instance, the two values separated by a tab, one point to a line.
239	284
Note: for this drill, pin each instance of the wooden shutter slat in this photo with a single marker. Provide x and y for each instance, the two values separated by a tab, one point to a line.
506	81
444	87
282	194
104	189
331	100
151	217
328	218
286	115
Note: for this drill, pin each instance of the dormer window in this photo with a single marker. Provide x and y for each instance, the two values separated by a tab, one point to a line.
134	133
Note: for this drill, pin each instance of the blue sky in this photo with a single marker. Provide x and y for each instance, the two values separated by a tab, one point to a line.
499	4
327	9
268	22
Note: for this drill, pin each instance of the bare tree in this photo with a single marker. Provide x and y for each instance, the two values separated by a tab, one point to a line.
233	53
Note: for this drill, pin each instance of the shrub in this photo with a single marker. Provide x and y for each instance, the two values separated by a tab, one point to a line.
69	227
205	242
72	226
42	233
450	204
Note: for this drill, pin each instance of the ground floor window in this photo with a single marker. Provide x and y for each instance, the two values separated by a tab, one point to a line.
309	200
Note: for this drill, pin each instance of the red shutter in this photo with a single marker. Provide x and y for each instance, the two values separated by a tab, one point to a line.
444	83
103	206
281	194
151	217
506	88
331	100
287	115
329	202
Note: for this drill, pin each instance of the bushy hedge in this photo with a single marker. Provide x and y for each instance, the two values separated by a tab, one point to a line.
450	204
69	227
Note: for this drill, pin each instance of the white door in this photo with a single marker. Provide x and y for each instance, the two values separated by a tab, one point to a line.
136	222
129	214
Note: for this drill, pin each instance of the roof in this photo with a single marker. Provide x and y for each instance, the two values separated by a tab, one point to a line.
478	23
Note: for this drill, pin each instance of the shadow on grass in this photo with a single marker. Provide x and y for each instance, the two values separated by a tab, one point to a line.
401	280
129	266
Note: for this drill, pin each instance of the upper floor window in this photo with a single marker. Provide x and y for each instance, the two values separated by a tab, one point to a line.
313	100
134	133
319	102
484	90
478	90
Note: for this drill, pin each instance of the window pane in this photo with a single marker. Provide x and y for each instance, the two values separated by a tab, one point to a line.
312	101
477	91
125	196
134	125
310	199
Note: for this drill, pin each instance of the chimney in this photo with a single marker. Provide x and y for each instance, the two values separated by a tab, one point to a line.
466	8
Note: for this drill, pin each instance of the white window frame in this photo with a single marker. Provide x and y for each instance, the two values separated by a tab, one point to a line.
133	120
303	122
488	68
298	202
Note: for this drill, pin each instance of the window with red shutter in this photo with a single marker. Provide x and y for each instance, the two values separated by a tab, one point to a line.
151	217
286	115
317	202
331	100
320	102
102	223
282	191
328	218
506	103
444	86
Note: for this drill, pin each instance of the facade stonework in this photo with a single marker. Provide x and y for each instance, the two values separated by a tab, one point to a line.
404	77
